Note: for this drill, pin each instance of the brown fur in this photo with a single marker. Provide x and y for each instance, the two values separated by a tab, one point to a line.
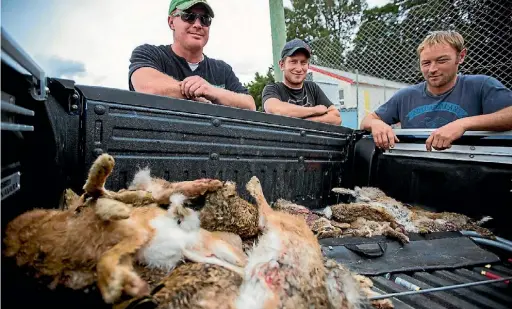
368	228
162	189
321	227
225	211
350	290
97	237
193	286
371	201
348	213
68	198
296	279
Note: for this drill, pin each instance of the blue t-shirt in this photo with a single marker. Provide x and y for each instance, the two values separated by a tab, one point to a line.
473	95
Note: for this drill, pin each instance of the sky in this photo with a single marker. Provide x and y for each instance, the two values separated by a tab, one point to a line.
91	41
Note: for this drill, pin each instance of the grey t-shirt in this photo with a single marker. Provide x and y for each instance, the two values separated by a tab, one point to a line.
309	95
473	95
162	58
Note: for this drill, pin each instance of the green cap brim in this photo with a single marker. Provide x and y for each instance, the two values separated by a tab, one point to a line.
187	5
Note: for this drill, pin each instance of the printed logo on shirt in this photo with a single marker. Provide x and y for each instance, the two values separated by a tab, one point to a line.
438	107
223	86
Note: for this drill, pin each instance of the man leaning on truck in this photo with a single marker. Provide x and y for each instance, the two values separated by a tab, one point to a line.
296	97
449	102
181	70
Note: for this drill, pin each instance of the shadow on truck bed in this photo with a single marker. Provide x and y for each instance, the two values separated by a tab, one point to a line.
48	145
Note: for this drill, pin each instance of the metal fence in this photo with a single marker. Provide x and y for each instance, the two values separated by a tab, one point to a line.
384	43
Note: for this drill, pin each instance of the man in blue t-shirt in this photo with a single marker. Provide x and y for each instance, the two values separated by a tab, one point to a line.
449	102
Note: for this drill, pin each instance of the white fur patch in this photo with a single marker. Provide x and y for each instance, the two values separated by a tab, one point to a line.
142	179
327	212
191	222
267	250
166	248
253	292
252	295
483	220
188	223
177	199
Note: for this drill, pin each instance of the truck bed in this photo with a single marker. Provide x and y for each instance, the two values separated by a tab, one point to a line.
297	160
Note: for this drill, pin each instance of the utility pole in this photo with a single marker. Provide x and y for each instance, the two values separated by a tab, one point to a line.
278	30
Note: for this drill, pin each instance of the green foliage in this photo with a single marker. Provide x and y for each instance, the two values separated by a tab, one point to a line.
256	86
382	41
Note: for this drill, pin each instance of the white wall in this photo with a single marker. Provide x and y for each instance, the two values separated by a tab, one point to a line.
366	98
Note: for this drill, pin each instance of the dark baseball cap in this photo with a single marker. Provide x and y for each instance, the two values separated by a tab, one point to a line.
294	45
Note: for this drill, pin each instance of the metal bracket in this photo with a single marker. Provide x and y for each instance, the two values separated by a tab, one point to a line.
427	132
491	154
16	53
10	185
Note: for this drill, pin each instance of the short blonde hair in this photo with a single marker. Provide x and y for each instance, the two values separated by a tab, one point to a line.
452	38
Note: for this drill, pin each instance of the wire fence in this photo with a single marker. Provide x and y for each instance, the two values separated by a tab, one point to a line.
384	45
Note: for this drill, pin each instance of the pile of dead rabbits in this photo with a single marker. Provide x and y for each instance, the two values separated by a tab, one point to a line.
144	244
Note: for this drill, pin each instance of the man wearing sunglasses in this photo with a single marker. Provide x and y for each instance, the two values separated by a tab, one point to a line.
296	97
181	70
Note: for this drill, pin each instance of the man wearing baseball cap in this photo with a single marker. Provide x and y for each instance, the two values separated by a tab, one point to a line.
296	97
180	69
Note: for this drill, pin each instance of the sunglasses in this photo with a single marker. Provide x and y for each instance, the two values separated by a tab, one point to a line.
205	20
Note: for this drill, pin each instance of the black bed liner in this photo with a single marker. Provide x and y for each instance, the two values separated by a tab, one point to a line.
182	140
496	295
414	263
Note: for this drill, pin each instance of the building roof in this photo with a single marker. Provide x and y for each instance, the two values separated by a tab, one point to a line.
351	78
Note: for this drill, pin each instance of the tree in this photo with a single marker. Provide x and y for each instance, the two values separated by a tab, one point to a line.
385	45
256	86
328	25
303	21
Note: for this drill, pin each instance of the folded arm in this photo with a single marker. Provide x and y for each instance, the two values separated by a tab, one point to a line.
278	107
331	117
230	98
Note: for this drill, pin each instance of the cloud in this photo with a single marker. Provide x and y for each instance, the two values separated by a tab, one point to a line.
93	40
55	66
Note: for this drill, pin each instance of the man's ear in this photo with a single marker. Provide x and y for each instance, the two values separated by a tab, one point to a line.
462	55
281	64
170	22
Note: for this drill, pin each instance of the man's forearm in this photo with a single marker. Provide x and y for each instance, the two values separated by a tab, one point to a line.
497	121
332	117
230	98
366	124
277	107
151	81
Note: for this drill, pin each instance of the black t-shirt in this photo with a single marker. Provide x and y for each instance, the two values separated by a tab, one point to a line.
162	58
309	95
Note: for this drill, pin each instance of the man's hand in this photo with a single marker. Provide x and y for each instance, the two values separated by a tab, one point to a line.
320	110
383	134
443	137
195	86
202	100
